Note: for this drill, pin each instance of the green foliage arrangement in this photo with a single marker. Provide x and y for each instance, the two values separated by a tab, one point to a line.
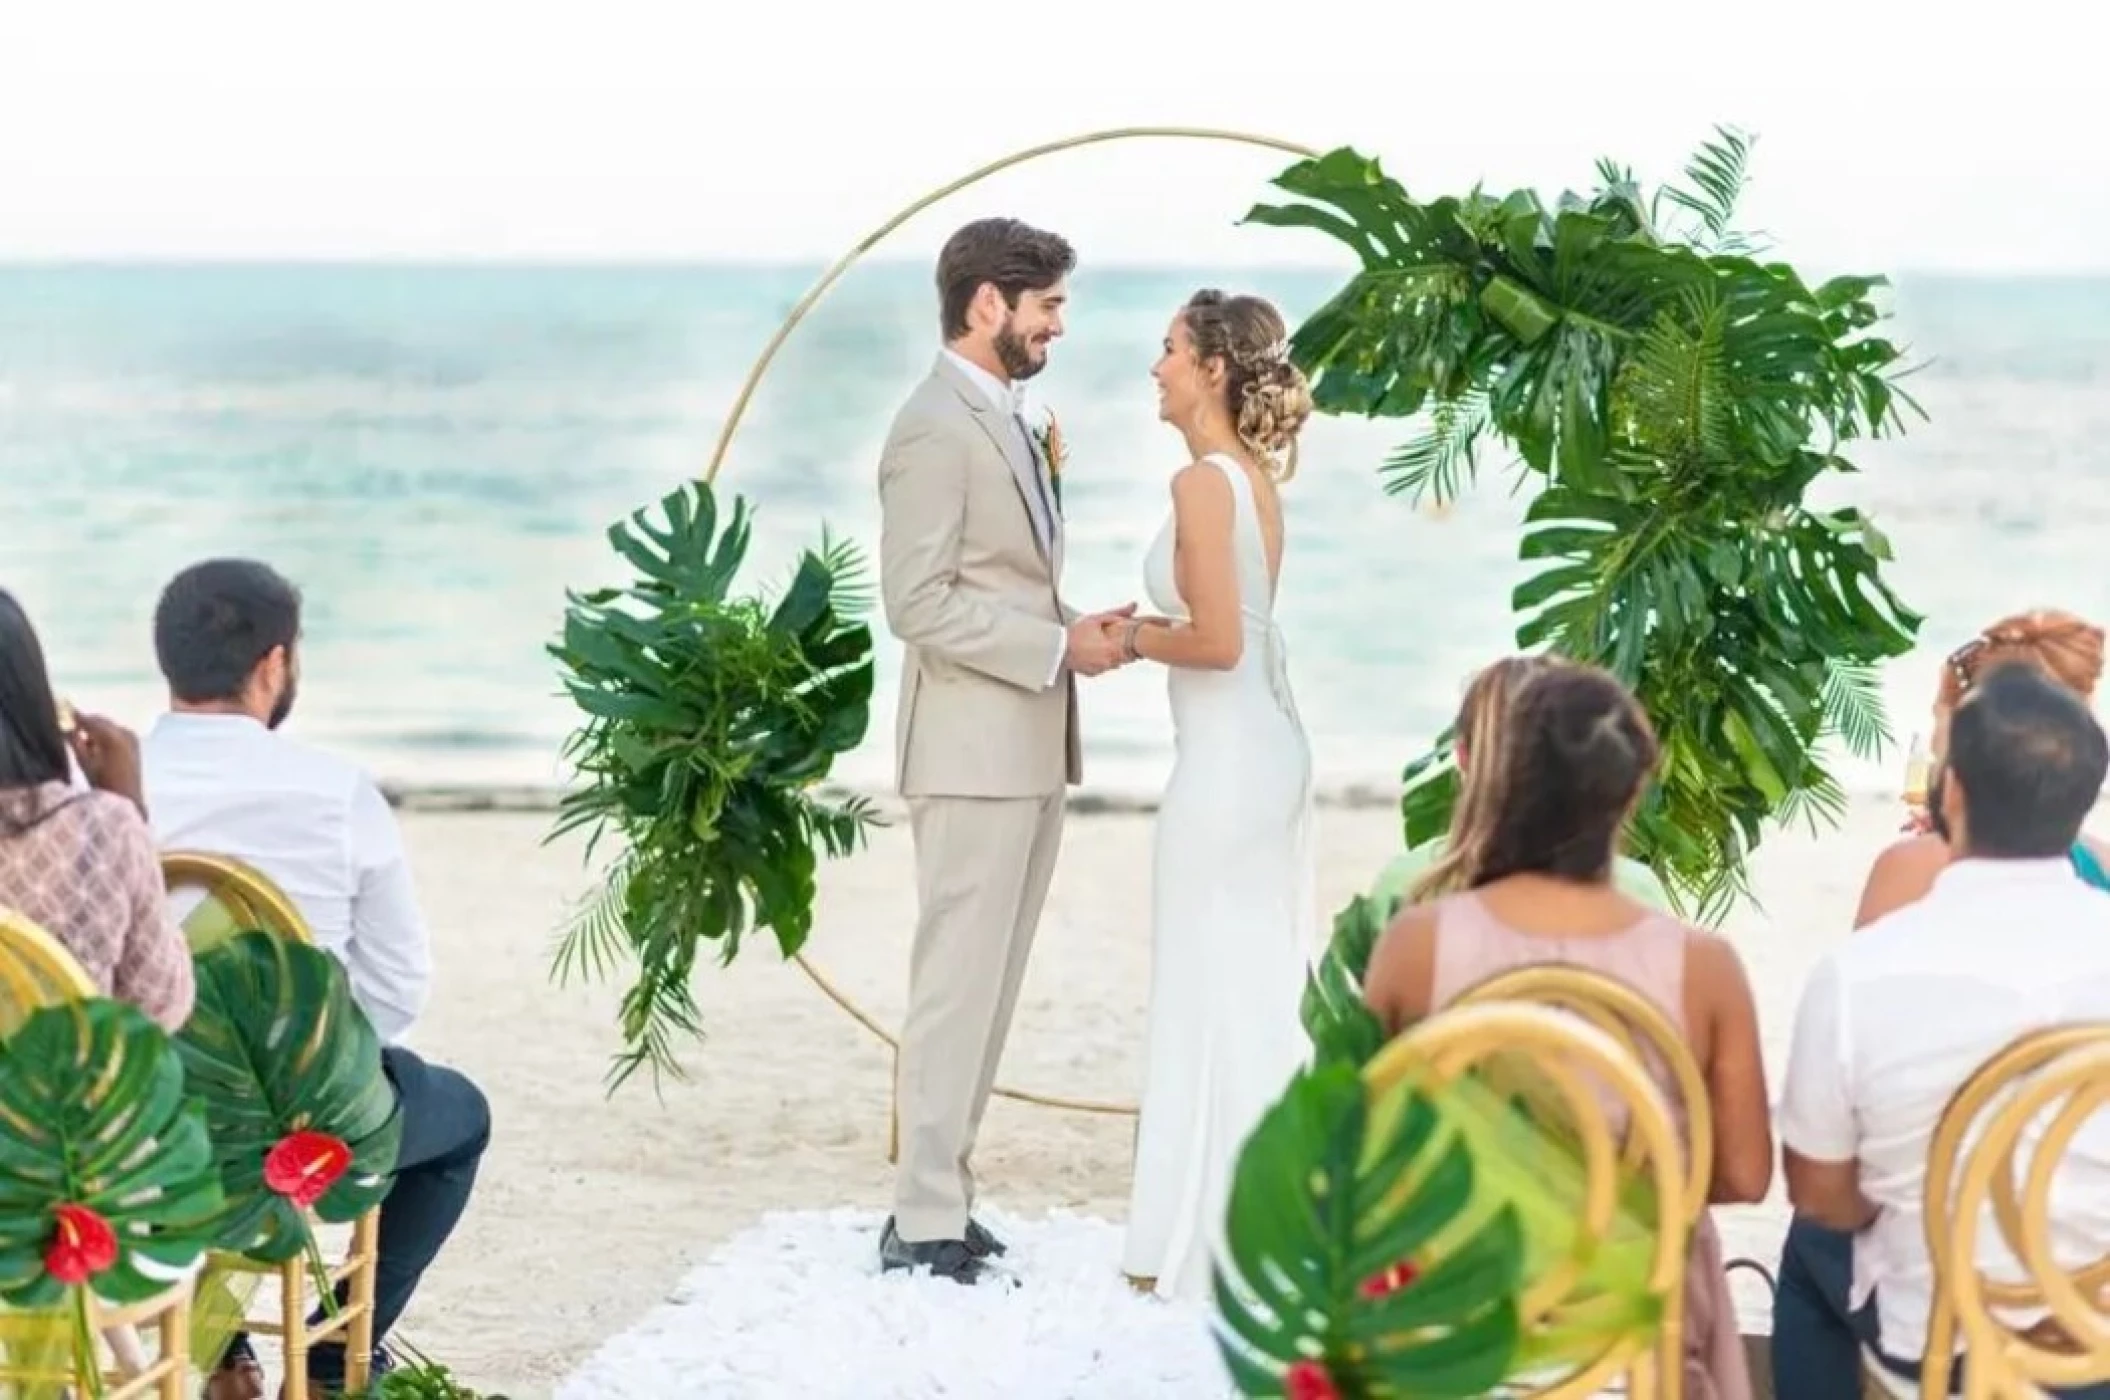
1676	397
711	717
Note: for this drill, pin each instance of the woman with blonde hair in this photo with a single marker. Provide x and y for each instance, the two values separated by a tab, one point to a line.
2066	648
1480	742
1233	915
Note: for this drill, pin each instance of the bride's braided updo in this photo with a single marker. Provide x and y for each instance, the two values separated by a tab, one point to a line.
1264	393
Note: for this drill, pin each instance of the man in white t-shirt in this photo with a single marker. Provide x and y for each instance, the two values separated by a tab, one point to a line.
1892	1022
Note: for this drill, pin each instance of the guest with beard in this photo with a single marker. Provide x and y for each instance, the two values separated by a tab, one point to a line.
222	777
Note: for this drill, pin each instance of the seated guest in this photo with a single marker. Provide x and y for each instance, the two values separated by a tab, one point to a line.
220	777
1815	1339
1580	755
2005	942
2065	649
79	862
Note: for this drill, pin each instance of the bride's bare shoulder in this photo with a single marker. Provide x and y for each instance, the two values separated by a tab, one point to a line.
1200	483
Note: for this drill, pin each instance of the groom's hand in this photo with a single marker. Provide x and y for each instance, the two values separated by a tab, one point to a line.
1092	648
1090	651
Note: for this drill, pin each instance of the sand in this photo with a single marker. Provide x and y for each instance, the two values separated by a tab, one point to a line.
590	1208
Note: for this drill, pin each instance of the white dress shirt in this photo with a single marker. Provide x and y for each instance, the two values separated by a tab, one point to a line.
318	826
1895	1019
1010	399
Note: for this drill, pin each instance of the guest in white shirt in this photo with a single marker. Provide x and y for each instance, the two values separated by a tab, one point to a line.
221	777
1896	1018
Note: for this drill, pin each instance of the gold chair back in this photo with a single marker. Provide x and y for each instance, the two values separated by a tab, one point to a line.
235	897
1639	1025
1595	1077
36	970
1997	1150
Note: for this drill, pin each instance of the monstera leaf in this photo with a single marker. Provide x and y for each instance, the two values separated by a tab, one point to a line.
1361	1256
106	1174
289	1070
1339	1024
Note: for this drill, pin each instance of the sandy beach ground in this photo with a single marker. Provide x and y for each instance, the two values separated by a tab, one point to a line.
590	1208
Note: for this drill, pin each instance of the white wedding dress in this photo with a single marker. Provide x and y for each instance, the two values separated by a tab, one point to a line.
1232	922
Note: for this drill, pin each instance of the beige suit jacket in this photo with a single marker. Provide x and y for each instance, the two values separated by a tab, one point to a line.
986	710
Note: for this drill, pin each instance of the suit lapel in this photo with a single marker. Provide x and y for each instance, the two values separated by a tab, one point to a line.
1003	430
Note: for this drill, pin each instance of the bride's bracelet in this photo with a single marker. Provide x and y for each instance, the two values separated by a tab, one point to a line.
1128	640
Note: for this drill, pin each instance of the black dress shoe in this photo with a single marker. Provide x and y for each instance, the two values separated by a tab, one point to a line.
984	1244
950	1259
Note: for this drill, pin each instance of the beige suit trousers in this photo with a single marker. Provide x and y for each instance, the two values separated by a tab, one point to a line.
982	872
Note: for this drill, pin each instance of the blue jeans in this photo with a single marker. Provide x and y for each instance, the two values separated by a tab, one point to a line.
1817	1341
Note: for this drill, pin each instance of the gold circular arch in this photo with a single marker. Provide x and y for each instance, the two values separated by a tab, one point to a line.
798	313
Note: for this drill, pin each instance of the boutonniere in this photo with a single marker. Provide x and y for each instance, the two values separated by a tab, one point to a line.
1053	451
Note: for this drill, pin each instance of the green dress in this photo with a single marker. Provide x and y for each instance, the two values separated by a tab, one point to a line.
1630	877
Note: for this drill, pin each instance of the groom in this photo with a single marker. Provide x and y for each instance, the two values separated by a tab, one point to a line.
986	737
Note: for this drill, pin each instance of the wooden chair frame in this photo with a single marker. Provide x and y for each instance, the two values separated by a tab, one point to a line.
1640	1027
254	898
2067	1067
38	970
1580	1060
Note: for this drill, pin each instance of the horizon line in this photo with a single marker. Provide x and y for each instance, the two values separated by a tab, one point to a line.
618	263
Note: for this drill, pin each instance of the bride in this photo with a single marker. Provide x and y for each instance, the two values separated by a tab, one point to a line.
1231	909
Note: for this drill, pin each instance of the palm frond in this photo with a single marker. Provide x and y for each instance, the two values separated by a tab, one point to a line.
855	590
1442	461
1852	699
1715	179
1819	803
592	942
1674	391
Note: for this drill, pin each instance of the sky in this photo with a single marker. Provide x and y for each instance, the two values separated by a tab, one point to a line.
1889	138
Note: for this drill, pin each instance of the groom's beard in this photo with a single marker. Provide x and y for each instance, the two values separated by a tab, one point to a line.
1017	356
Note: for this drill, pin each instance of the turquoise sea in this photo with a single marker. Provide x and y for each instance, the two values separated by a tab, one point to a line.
433	453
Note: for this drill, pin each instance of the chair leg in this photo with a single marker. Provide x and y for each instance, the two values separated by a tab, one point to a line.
359	1337
293	1316
175	1347
124	1347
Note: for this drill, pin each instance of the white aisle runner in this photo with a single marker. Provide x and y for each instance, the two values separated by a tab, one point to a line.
796	1306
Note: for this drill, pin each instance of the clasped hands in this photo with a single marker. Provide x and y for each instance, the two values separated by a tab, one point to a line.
1097	642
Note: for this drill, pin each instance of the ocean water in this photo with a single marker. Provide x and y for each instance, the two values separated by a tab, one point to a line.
434	454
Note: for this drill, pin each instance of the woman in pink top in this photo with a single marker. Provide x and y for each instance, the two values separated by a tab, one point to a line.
82	864
1540	891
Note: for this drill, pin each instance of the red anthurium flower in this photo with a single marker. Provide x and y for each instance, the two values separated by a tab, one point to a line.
82	1245
1389	1281
303	1166
1308	1380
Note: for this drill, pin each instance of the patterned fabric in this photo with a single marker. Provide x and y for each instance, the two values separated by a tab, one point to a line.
81	865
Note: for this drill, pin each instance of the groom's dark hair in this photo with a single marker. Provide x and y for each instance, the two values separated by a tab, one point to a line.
1015	256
